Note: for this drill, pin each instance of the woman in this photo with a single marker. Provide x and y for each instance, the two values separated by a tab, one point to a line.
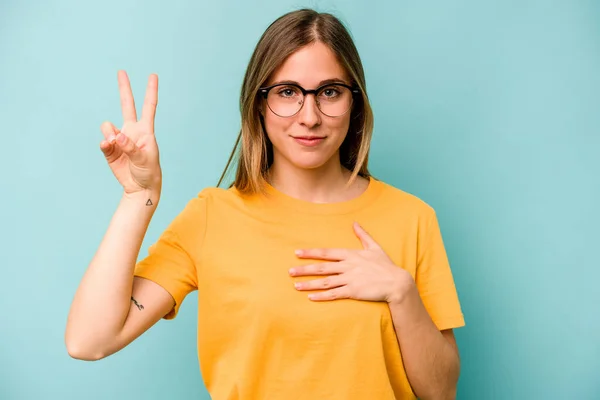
295	298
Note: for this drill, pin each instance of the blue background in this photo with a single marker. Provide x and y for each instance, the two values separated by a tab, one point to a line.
487	110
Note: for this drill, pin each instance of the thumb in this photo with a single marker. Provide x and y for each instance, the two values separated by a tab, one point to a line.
130	149
367	241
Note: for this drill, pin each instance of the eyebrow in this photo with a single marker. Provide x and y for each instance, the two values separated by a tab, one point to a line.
325	82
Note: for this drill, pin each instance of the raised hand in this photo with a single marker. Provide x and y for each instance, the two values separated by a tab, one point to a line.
132	151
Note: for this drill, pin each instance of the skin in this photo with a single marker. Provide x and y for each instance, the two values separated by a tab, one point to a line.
311	173
315	174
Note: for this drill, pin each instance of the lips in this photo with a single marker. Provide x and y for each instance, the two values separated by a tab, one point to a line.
309	141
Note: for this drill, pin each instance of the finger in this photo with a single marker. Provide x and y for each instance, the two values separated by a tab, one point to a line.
367	241
150	101
324	268
106	147
341	292
323	254
127	103
109	131
130	149
330	282
110	151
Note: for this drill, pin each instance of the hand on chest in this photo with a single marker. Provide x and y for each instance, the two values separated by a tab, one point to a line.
343	264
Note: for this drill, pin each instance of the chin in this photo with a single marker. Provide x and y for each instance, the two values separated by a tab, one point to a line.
307	165
309	161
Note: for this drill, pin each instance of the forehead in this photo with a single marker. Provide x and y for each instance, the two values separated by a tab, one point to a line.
310	65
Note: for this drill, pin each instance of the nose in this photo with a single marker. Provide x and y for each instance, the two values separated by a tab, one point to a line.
309	115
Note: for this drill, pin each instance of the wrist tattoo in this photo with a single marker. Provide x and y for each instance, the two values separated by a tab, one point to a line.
149	202
139	306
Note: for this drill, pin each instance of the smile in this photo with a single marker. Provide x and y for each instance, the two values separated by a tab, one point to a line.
309	141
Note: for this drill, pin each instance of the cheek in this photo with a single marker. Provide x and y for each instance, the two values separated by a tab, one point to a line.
338	128
341	125
276	127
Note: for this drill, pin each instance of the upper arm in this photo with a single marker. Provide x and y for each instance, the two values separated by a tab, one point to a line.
172	260
448	334
152	302
434	279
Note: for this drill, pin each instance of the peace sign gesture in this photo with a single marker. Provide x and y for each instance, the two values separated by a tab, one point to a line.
132	151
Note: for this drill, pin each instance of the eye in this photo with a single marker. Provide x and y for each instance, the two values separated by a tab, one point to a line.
330	92
287	91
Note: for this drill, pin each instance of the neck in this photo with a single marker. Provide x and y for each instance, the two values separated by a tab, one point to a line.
326	184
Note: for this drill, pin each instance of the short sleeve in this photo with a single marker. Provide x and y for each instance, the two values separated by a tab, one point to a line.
434	279
172	260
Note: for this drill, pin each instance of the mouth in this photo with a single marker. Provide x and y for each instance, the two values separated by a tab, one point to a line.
309	141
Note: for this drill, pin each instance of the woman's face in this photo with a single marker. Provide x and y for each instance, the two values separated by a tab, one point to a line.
308	139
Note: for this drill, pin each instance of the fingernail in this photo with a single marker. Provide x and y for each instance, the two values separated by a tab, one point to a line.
111	139
298	252
292	271
297	285
121	138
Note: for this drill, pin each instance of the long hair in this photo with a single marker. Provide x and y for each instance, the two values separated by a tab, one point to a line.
282	38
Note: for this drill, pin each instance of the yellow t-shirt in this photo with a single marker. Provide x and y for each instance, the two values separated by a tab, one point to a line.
261	339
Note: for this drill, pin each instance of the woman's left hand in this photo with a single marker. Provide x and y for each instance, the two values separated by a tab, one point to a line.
367	274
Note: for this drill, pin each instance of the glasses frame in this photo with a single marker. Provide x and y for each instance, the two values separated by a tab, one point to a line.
264	92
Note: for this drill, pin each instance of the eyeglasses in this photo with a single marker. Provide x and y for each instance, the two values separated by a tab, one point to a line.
287	99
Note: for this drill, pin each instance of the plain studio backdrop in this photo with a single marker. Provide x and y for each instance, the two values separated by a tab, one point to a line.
487	110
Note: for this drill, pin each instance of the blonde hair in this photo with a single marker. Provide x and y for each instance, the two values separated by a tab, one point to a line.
282	38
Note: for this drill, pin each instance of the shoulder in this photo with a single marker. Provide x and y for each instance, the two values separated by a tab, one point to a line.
194	213
212	195
211	199
395	197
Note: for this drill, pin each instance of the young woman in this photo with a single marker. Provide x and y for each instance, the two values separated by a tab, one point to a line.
315	280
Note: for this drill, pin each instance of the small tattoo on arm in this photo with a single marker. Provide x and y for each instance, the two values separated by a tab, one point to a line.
149	202
139	306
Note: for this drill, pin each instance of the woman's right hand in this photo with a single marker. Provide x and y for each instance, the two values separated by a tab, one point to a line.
132	151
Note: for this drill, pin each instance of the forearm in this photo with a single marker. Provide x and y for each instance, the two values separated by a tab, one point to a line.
432	364
102	301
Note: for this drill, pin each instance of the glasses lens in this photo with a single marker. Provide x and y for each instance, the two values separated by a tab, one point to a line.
334	100
287	100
